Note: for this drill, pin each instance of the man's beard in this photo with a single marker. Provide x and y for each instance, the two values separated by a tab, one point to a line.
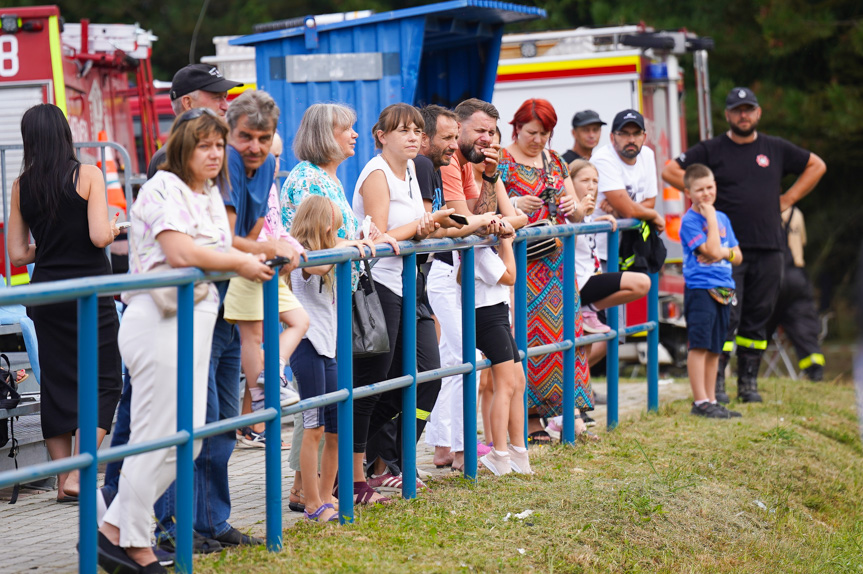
741	132
439	157
629	153
469	152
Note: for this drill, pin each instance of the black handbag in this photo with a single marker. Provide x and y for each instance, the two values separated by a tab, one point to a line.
369	324
642	250
9	397
545	246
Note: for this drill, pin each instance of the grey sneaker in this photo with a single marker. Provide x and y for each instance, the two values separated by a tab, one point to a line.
732	414
710	411
496	463
519	461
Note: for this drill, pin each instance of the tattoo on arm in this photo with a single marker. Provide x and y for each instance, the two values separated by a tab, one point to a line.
487	200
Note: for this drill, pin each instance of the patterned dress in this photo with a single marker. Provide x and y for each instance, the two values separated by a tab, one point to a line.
545	297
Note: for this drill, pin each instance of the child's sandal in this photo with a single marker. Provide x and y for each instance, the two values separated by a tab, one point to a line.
299	504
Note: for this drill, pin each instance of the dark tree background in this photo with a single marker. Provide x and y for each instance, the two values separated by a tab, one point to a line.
804	59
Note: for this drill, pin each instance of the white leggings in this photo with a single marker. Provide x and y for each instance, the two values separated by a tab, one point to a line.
148	344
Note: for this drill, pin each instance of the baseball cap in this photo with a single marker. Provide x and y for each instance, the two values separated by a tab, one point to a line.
200	77
627	117
585	118
740	96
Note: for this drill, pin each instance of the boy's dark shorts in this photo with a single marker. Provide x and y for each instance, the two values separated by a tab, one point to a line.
706	320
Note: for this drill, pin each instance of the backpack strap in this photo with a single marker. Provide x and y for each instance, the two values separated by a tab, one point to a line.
13	454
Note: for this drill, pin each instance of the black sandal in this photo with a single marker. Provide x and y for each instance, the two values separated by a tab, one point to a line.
297	506
539	437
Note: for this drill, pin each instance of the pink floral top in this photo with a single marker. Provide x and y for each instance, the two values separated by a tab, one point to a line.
273	226
166	203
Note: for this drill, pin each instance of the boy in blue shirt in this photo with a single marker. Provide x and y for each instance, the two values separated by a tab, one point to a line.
709	251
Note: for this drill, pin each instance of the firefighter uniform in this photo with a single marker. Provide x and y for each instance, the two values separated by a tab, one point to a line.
748	186
795	309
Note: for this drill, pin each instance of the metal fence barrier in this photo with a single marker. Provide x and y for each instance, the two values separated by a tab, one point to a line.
87	290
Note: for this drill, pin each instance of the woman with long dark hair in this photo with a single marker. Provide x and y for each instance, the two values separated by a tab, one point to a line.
63	204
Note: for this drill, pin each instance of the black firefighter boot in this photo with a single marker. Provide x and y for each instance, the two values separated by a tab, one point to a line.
721	395
747	376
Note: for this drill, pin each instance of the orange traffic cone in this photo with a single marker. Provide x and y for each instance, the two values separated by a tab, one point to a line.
116	193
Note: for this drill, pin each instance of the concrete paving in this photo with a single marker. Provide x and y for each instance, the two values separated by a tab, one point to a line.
39	535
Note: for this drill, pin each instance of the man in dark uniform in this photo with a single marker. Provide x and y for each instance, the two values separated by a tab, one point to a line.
749	168
795	309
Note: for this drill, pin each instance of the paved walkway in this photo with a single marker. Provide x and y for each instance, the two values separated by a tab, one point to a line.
39	535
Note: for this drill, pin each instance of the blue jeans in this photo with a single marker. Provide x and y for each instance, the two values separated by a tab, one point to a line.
13	314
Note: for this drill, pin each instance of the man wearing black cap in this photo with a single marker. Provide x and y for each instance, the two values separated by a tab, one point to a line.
195	86
749	168
586	129
627	175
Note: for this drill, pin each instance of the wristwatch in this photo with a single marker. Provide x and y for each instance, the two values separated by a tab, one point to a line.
491	179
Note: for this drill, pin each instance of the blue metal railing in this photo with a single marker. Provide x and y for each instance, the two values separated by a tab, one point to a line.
87	290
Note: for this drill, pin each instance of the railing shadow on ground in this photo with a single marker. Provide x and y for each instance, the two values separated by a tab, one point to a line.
87	290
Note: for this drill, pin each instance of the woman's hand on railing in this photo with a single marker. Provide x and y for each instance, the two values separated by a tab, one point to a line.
426	225
252	267
442	218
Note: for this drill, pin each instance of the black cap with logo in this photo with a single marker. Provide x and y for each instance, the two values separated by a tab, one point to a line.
200	77
586	118
740	96
627	117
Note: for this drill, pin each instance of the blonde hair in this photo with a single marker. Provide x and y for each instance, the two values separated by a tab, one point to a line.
578	165
316	225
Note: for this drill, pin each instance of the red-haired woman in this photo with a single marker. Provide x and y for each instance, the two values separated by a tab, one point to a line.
540	176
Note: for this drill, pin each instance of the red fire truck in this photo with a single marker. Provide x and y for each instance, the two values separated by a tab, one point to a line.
84	69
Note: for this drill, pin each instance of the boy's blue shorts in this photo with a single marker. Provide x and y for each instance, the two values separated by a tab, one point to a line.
706	320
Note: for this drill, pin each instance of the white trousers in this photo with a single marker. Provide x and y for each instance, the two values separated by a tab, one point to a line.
446	422
148	344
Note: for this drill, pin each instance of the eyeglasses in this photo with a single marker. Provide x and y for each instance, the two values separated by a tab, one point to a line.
193	114
629	135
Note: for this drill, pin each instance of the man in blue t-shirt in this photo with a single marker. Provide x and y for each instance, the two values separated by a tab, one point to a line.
709	250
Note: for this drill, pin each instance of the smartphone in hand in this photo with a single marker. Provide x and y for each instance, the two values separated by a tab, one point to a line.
123	226
459	218
277	261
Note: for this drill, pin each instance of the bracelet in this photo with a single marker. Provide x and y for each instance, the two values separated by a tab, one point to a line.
491	179
730	255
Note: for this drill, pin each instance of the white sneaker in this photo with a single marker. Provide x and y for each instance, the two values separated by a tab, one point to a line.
519	461
591	323
496	463
288	396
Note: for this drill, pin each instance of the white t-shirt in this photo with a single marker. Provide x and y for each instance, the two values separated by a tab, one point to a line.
406	205
585	263
488	269
639	180
319	301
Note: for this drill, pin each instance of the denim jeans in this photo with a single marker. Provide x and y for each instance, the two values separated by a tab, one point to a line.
12	314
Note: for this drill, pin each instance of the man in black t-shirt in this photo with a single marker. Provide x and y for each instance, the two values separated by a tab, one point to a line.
749	168
586	131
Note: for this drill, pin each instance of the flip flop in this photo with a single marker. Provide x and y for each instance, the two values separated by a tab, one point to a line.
21	376
539	437
68	499
294	505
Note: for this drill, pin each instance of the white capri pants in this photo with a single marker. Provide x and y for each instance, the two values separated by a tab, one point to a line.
148	344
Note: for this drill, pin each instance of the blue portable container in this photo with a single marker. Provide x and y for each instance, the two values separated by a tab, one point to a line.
436	54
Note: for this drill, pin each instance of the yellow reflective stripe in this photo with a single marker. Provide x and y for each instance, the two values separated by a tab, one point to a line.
728	346
21	279
814	358
57	63
422	415
750	343
645	230
627	263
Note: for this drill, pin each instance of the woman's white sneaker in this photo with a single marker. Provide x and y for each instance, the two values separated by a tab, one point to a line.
519	461
498	464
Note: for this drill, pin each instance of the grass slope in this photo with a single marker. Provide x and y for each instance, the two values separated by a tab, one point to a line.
779	491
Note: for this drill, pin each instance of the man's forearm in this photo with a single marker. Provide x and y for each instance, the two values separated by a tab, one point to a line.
487	200
807	181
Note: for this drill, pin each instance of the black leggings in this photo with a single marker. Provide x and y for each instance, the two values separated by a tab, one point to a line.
598	287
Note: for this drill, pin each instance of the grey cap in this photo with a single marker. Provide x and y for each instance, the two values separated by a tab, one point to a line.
586	118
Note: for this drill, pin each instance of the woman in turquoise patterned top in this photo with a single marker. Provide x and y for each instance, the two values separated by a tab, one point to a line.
324	140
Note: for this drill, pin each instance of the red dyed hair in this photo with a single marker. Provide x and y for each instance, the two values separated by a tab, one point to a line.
534	109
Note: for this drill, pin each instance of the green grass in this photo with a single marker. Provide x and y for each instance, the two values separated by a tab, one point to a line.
779	491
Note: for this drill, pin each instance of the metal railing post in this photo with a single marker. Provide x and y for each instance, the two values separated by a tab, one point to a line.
611	358
520	317
185	422
409	367
345	373
468	349
653	344
569	335
88	376
272	399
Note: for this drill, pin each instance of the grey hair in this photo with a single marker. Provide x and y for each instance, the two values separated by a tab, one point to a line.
315	141
259	107
177	105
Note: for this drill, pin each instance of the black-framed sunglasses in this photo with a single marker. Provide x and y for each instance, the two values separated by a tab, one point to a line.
194	114
622	134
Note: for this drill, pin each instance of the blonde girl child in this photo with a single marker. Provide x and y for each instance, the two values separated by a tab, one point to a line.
315	226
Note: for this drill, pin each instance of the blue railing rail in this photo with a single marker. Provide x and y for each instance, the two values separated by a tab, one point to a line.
86	291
